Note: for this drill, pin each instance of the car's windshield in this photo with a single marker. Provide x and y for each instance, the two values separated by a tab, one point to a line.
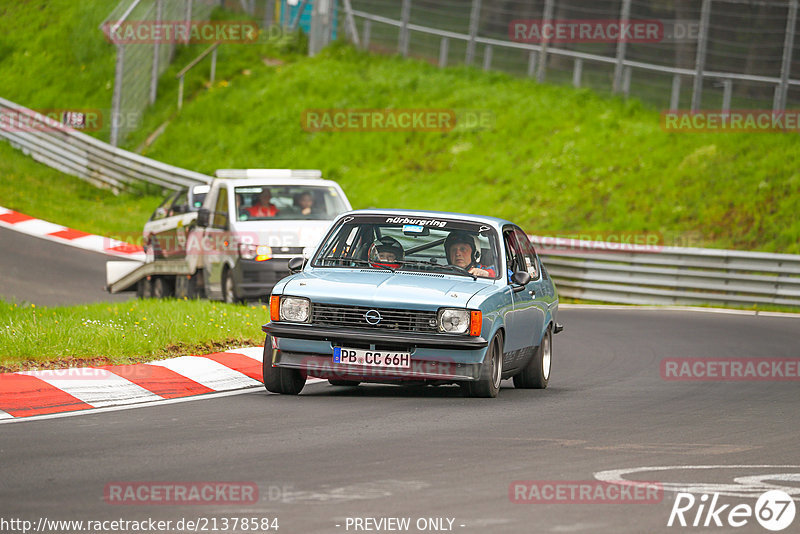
412	243
287	202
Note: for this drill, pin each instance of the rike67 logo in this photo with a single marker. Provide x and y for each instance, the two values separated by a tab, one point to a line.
774	510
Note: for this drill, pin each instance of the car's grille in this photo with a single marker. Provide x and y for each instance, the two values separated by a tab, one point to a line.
391	319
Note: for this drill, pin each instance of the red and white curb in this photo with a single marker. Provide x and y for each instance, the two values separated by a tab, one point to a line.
35	393
26	224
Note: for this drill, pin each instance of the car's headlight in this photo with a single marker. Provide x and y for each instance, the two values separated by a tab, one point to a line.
453	320
294	309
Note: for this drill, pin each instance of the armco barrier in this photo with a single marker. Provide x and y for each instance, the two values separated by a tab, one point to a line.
607	272
81	155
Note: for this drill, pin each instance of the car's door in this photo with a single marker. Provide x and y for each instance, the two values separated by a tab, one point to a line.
532	301
216	241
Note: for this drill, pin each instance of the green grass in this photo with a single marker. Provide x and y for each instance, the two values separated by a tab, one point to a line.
42	192
558	160
139	330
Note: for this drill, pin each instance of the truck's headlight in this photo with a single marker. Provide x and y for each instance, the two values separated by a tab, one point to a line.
295	309
453	320
256	252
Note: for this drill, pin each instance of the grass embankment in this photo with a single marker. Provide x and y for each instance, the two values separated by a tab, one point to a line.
557	160
140	330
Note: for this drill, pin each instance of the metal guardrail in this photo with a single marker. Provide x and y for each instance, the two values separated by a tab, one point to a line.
612	272
81	155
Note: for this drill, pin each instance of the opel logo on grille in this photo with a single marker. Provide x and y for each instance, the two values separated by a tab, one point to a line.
373	317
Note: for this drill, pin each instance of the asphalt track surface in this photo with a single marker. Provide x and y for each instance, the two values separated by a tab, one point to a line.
385	451
46	273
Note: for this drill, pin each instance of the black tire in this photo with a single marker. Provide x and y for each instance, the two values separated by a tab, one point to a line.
229	288
162	288
343	383
144	288
536	375
279	379
491	372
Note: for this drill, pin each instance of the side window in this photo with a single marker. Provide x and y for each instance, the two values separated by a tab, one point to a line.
512	251
220	219
163	209
181	203
528	259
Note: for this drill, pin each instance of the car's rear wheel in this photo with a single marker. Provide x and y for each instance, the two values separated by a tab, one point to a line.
343	382
536	375
279	379
491	371
228	288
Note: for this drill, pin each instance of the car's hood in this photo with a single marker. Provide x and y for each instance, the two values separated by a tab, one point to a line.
384	289
282	233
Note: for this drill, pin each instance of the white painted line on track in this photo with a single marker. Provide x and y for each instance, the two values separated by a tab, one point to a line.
257	353
150	404
100	388
4	415
207	372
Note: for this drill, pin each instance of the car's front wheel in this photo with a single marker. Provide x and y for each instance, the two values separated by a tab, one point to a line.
491	371
279	379
536	375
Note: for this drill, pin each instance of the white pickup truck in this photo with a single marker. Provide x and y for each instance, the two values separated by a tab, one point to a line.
251	224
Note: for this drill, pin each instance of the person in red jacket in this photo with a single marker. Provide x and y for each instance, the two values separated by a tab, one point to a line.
263	208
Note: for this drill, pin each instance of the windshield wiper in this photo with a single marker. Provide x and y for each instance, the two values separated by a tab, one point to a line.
455	268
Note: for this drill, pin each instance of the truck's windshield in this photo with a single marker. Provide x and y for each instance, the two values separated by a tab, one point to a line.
261	202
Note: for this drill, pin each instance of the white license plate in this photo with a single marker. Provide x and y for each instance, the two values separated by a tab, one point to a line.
371	358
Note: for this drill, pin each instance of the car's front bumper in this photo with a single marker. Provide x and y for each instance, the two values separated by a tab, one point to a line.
433	357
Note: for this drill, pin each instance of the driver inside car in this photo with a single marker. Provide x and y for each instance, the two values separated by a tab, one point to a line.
463	251
386	252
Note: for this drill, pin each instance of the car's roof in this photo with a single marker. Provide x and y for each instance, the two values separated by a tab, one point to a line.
435	214
255	182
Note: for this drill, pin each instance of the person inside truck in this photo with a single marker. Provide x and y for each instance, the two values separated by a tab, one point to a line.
263	206
304	202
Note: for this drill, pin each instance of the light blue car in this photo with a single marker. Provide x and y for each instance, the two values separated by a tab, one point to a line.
414	297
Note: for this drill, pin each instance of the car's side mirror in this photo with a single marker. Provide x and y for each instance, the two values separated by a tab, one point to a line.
203	215
296	264
520	279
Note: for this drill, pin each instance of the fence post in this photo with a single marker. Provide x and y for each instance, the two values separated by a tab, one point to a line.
675	97
548	17
700	63
269	13
367	30
180	94
444	48
577	71
116	99
156	50
727	92
624	16
786	66
474	21
351	22
531	63
188	20
320	33
405	14
214	64
487	57
626	81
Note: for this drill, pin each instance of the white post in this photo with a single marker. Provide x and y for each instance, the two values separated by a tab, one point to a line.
700	63
625	15
474	21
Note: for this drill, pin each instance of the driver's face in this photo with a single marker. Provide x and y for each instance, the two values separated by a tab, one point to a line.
461	254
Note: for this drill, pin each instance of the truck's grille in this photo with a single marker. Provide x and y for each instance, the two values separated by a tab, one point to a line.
391	319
